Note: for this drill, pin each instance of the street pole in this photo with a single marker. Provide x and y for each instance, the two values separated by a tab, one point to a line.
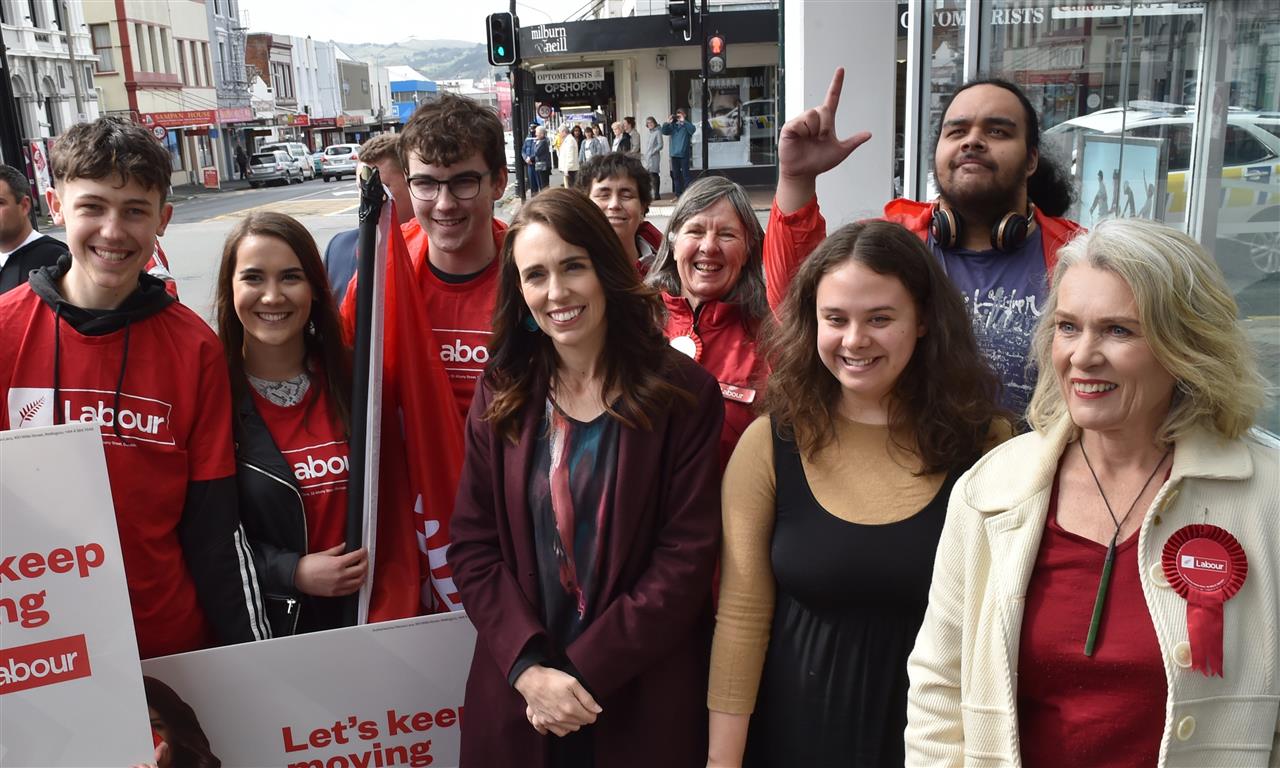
517	125
706	87
71	53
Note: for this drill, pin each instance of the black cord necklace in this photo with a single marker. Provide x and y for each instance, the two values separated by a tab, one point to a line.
1105	581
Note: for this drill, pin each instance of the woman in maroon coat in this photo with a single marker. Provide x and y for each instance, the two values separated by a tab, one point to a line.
586	527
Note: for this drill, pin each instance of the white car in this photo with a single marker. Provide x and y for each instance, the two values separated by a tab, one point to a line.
1249	208
300	154
339	160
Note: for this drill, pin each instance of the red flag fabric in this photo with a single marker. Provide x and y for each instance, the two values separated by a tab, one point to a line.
421	449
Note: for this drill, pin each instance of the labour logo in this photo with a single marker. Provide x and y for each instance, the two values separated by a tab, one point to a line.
141	419
46	663
463	352
319	468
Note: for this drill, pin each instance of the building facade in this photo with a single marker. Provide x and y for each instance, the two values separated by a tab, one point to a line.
52	65
226	45
163	78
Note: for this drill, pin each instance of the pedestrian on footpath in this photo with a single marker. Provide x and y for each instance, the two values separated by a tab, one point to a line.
527	151
242	162
629	125
681	132
621	139
542	157
569	156
653	156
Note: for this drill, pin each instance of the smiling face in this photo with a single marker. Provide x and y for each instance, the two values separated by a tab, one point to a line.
111	233
619	198
982	160
867	331
561	289
710	249
1110	379
454	226
271	296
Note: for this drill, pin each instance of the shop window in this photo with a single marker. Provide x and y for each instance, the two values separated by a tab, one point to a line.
742	128
1122	112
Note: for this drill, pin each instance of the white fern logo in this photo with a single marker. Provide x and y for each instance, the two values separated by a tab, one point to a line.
26	412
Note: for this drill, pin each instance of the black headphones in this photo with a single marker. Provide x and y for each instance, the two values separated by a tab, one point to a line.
1008	234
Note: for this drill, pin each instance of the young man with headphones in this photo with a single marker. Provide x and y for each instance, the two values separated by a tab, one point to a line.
995	226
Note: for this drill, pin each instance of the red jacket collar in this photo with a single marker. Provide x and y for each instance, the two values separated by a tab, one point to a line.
915	216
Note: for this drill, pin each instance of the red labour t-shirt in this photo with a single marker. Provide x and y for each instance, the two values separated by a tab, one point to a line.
175	416
461	314
1104	711
309	438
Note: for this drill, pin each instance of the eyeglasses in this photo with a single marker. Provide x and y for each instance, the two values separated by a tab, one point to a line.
463	187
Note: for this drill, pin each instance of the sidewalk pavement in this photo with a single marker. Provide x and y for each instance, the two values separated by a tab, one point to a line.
189	191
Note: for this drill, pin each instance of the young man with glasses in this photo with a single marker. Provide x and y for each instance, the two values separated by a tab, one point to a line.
452	152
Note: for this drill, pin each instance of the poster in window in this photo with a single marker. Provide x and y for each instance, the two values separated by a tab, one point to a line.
1121	177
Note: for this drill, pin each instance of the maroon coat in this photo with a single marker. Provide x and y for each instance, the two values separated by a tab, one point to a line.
645	655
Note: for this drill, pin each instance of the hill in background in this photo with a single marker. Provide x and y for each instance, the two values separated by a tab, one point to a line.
435	59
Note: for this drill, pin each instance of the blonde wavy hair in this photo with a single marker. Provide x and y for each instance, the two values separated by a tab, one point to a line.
1188	317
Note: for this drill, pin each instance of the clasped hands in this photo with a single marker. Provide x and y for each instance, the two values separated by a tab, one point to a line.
556	702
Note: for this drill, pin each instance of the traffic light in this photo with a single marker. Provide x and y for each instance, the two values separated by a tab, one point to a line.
501	31
716	60
678	11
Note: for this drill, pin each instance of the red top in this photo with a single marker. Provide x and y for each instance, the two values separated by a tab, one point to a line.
461	314
174	416
727	351
1100	711
310	439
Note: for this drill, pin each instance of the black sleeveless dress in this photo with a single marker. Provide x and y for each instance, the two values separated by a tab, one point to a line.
850	600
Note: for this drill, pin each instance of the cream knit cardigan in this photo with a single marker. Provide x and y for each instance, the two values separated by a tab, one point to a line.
961	708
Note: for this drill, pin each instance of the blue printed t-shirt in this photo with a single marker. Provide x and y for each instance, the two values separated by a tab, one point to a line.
1004	294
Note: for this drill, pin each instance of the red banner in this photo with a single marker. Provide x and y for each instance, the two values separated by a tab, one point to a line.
235	114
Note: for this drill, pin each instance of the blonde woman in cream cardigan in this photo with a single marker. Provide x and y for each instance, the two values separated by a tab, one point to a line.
1058	630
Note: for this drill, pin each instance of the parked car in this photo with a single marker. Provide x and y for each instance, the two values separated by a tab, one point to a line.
339	160
302	164
277	165
1249	206
317	161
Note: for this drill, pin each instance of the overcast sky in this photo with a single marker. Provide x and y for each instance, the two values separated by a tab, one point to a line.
389	21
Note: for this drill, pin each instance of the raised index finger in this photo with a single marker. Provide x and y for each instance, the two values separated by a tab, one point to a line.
833	90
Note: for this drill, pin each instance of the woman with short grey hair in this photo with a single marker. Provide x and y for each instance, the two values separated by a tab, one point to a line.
710	271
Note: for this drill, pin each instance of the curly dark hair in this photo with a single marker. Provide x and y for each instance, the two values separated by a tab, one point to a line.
109	147
617	165
945	398
1050	187
451	129
636	352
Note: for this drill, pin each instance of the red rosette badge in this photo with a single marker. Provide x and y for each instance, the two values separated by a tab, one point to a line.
1206	566
690	344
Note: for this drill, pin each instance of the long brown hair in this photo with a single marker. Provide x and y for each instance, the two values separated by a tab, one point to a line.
945	398
324	347
188	745
636	353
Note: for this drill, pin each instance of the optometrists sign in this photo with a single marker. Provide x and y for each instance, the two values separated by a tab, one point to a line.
361	697
69	684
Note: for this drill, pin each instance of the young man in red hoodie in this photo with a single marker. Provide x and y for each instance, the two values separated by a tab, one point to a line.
96	339
452	153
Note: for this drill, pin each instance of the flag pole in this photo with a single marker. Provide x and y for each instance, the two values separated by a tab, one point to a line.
372	197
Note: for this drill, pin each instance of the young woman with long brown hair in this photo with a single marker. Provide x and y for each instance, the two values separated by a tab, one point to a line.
834	502
290	381
585	531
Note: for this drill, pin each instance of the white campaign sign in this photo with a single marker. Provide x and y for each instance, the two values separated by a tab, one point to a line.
69	684
372	696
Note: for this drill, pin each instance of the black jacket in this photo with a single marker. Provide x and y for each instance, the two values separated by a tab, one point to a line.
276	523
44	251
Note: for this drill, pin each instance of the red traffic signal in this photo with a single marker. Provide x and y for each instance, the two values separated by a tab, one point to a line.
716	45
716	60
